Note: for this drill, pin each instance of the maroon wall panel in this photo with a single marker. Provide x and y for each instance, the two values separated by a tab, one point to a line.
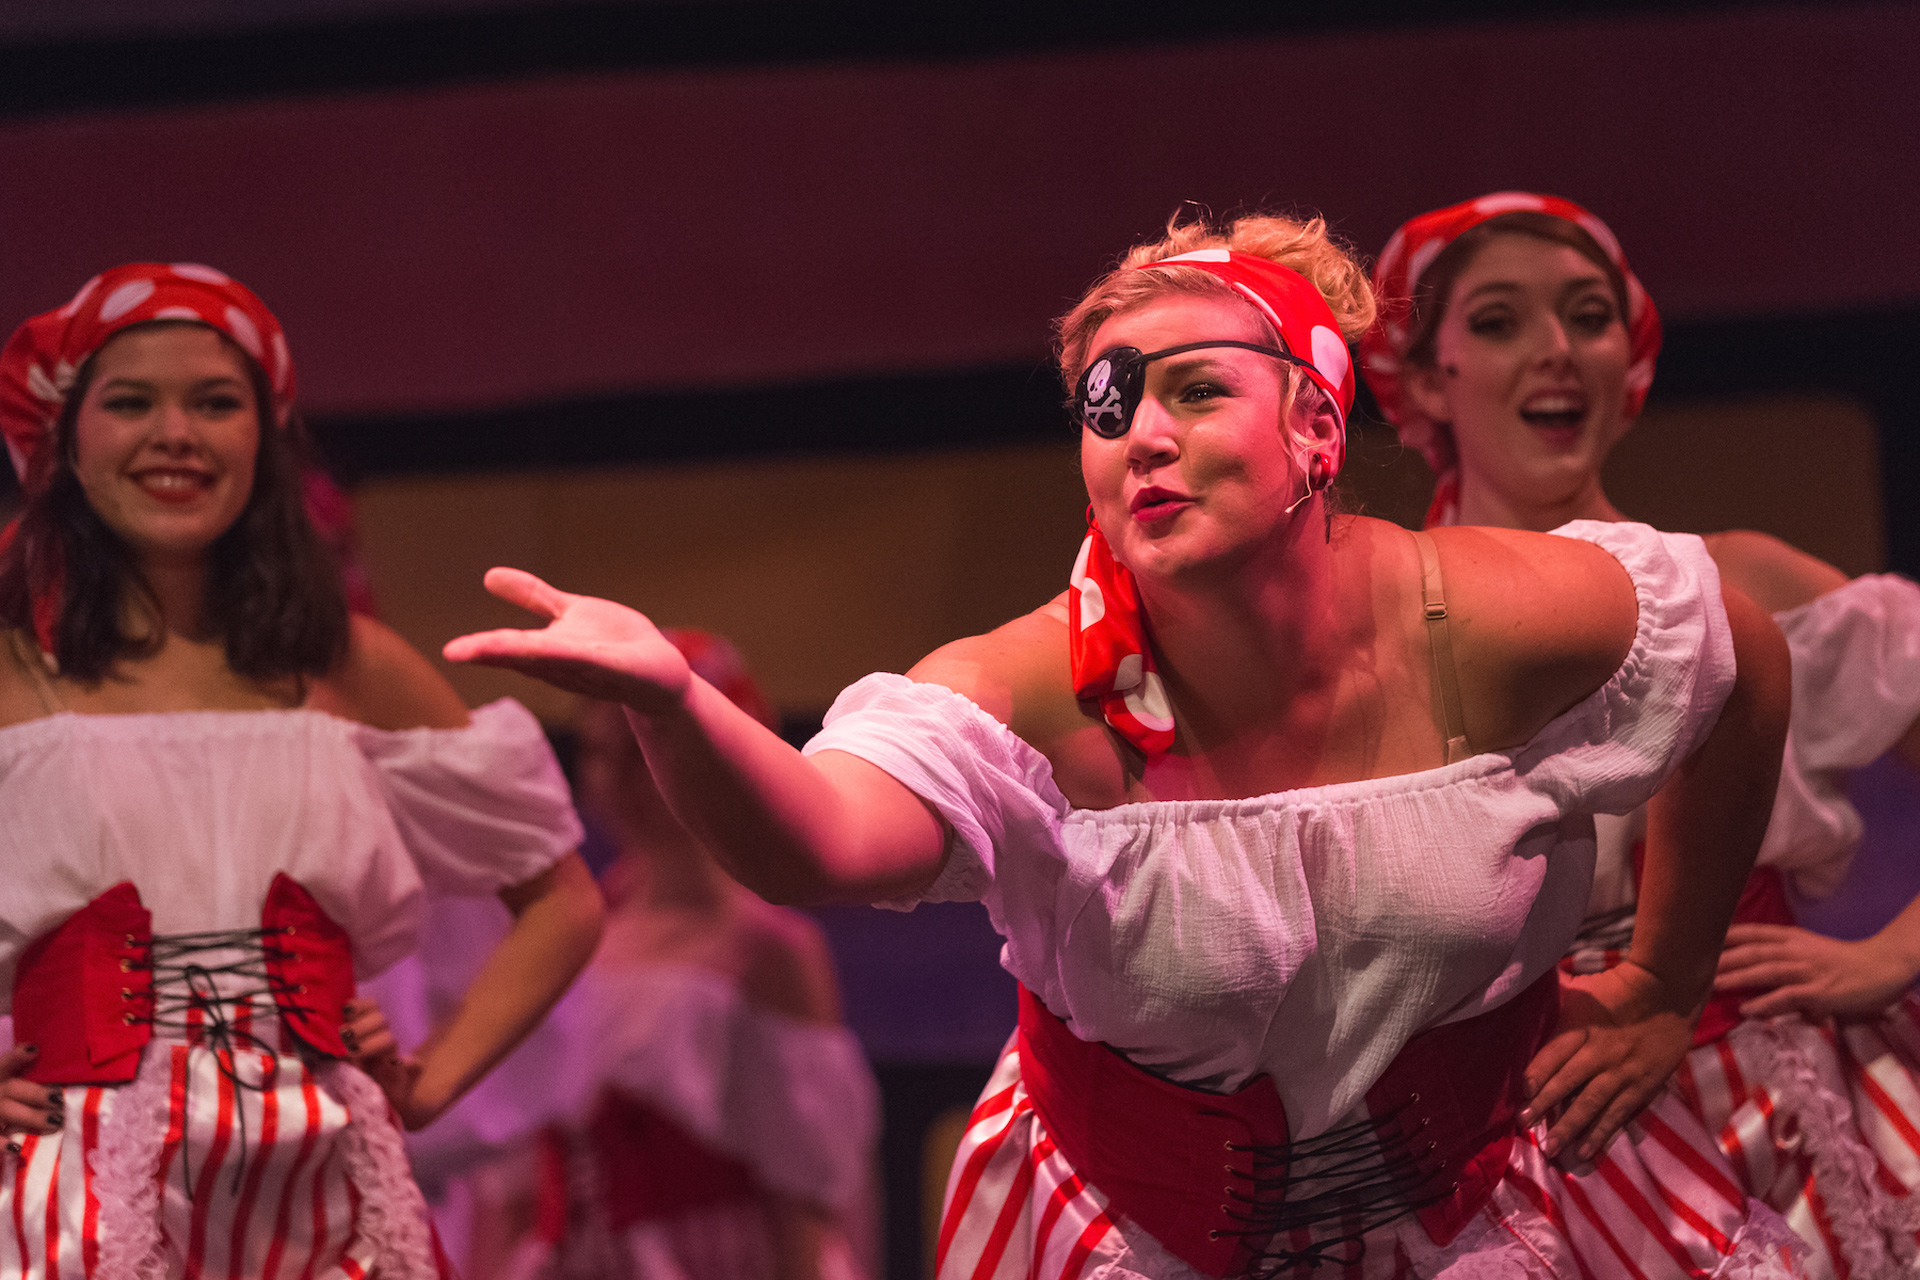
479	245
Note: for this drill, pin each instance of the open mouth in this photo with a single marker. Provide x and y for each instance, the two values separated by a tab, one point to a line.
170	484
1557	411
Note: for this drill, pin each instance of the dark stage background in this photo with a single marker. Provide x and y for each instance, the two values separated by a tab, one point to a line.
611	254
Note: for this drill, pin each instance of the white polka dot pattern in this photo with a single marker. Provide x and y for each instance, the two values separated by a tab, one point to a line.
38	364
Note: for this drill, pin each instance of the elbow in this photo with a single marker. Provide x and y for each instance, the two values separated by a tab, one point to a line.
583	911
566	901
1763	686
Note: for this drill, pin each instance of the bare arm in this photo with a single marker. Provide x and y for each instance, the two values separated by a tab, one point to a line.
792	828
1623	1032
555	928
384	682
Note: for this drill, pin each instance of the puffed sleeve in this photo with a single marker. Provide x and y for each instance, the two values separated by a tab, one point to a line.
1611	752
480	808
995	792
1856	692
804	1109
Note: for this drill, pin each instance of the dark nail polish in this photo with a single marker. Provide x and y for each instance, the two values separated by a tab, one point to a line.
31	1048
13	1148
54	1095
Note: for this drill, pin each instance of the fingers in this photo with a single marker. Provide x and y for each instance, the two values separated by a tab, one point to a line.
517	586
17	1059
1801	997
1625	1104
1548	1080
32	1108
1745	934
365	1032
1772	973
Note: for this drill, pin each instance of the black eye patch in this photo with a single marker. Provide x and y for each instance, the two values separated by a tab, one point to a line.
1111	385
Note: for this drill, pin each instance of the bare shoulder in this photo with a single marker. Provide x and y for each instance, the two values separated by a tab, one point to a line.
1017	673
1777	575
21	693
385	682
788	968
1539	622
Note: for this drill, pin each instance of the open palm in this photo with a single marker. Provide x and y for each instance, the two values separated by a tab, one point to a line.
589	646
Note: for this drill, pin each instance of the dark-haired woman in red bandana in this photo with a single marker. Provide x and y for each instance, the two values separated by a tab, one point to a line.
1514	350
1285	816
223	796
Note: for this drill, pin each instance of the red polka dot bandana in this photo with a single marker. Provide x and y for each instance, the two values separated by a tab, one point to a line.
1296	309
1111	655
38	364
1406	258
715	659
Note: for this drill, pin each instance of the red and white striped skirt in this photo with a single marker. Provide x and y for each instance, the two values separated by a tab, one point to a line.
1661	1205
293	1173
1822	1121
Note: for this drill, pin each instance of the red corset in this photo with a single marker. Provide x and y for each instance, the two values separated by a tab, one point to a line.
86	993
1763	900
1205	1174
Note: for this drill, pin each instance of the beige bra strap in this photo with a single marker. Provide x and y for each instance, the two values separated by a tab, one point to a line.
28	657
1446	680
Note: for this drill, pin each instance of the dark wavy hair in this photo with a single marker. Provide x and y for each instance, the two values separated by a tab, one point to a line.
274	594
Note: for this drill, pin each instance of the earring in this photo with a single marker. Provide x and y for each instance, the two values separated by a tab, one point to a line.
1319	471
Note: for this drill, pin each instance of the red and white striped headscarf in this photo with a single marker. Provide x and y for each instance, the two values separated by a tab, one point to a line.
1111	656
1383	349
38	364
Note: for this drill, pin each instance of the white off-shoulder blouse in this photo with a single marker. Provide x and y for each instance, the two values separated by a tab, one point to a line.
1306	934
201	809
1856	692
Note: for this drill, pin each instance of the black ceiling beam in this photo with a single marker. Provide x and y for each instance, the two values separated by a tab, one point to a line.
269	61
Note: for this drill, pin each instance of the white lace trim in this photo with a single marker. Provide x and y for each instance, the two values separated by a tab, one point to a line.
393	1213
1875	1229
1765	1249
124	1164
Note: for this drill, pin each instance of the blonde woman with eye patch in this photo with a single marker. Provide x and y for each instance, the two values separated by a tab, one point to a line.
1284	816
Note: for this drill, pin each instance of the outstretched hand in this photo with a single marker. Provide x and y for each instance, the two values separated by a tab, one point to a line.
589	646
1620	1036
1810	973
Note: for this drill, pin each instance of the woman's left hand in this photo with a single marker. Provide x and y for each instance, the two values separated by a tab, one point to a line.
1620	1036
1810	973
371	1047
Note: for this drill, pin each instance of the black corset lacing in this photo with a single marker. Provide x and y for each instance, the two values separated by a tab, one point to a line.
182	985
1376	1174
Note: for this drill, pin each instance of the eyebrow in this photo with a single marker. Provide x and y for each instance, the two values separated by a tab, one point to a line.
1195	360
147	383
1595	280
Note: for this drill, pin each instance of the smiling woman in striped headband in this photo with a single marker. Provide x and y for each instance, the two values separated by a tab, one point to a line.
222	797
1514	350
1283	817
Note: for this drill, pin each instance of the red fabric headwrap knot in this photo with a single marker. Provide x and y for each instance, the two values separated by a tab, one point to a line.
37	366
1107	643
1383	349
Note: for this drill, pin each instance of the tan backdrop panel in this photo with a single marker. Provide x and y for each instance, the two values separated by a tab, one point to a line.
1803	468
820	569
824	569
